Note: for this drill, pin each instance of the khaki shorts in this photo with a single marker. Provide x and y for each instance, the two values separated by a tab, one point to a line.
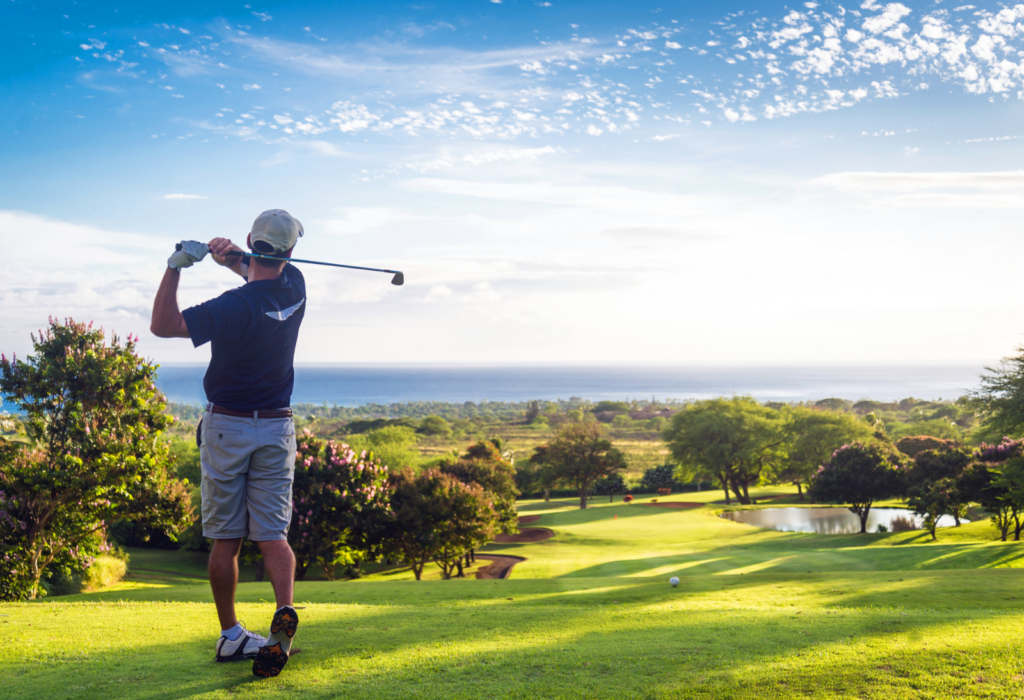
248	467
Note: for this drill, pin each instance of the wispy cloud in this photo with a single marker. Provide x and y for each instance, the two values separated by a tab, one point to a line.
184	196
983	190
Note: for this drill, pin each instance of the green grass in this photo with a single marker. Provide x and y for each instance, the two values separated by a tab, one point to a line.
589	615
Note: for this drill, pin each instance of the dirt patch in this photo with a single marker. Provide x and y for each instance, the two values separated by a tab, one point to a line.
674	504
526	534
527	519
500	566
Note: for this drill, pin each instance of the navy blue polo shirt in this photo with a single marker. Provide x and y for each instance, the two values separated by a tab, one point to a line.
253	330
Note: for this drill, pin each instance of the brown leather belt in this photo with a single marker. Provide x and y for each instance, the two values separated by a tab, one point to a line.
271	413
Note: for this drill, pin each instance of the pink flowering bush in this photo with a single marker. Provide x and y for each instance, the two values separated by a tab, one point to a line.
338	498
1006	449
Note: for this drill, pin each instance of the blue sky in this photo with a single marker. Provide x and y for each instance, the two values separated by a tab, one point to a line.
561	182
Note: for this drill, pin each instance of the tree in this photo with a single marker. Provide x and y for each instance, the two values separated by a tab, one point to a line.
394	445
610	485
435	517
537	474
933	484
736	441
484	465
435	426
860	474
93	417
948	465
580	455
339	498
533	412
997	483
999	398
610	407
813	436
655	478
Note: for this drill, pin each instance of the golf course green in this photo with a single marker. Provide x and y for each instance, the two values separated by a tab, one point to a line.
589	614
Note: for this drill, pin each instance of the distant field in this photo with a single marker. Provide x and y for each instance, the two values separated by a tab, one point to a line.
643	450
589	615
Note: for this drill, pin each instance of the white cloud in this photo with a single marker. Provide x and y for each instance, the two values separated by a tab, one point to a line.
438	292
594	131
921	181
184	196
508	154
251	86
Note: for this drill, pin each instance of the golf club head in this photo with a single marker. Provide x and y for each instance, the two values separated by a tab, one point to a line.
398	280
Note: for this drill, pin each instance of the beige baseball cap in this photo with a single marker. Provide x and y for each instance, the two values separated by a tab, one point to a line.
274	231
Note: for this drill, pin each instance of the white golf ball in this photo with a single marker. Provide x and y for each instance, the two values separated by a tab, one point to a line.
674	581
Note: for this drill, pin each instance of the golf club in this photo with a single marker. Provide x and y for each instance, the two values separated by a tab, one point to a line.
398	279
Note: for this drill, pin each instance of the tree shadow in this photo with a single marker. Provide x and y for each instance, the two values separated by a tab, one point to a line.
617	640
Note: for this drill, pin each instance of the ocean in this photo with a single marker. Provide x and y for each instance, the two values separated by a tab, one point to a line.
353	385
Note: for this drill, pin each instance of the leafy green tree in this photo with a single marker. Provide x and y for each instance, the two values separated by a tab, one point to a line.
93	416
944	470
997	483
533	412
537	474
610	485
736	441
610	406
580	455
623	422
999	399
394	445
484	465
339	498
860	475
435	517
435	426
934	485
813	437
662	477
938	428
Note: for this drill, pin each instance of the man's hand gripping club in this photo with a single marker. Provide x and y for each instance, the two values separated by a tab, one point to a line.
186	254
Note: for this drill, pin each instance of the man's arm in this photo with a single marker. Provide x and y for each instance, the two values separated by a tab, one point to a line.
219	247
167	320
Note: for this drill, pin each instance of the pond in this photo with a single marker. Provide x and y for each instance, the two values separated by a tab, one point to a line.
831	521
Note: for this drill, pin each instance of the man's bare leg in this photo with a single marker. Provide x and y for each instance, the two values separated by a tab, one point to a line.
280	562
224	579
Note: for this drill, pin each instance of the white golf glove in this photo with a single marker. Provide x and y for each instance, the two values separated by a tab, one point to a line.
187	254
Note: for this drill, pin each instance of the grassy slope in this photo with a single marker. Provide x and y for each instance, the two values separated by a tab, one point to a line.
589	615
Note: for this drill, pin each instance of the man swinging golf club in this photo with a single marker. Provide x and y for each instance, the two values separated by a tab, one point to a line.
246	436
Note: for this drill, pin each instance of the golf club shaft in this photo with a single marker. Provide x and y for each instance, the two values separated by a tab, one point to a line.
310	262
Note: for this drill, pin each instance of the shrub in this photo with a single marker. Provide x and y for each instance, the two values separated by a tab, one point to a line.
664	491
657	478
106	570
435	426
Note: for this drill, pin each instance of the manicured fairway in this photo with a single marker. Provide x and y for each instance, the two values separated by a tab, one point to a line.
590	614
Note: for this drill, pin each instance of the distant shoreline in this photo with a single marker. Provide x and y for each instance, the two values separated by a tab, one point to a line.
355	385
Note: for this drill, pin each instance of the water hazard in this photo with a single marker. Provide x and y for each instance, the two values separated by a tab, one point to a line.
831	521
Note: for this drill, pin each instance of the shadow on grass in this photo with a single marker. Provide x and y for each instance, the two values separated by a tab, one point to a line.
618	640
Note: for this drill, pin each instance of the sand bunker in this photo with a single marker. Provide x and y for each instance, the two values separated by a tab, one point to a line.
526	534
674	504
527	519
500	566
